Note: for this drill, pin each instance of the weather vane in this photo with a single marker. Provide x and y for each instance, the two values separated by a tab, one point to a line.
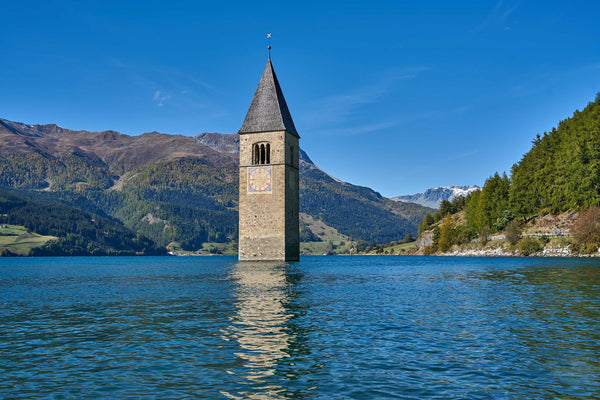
269	46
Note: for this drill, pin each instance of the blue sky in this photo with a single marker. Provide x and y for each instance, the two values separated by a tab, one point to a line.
399	96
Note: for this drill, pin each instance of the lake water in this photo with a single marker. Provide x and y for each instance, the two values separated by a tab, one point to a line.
322	328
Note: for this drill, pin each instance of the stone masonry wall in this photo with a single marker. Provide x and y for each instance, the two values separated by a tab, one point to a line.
268	229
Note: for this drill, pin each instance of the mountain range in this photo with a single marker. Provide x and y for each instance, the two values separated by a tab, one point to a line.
177	190
433	197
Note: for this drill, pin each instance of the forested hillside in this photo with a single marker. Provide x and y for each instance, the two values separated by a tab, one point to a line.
186	201
358	212
78	232
175	190
562	170
560	173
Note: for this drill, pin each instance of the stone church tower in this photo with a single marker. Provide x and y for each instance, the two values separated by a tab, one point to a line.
269	160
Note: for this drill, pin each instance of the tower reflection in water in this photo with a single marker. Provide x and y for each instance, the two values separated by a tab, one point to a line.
261	327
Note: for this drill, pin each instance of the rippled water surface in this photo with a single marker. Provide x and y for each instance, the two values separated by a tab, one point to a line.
326	327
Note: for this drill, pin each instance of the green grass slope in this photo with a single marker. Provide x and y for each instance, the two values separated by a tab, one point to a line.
16	240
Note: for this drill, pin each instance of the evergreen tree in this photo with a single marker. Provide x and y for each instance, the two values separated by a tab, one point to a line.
472	211
426	223
493	199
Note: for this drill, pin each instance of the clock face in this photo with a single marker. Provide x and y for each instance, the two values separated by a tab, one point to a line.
259	179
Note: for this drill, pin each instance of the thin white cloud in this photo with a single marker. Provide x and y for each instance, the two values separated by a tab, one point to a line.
548	80
181	90
362	129
498	17
444	112
532	86
460	156
337	109
160	98
501	12
333	114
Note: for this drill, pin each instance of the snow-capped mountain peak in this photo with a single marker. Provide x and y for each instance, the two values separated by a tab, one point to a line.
433	197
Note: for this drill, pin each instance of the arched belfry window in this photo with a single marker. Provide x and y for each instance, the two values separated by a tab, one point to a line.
261	153
268	151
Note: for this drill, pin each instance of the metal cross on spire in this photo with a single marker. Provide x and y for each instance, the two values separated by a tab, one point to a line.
269	46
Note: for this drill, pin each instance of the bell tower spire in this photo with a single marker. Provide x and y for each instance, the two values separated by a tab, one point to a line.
269	176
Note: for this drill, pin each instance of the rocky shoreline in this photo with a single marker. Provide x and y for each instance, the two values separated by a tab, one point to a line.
548	236
503	252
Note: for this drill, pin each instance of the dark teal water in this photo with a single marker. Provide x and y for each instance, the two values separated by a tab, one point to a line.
323	328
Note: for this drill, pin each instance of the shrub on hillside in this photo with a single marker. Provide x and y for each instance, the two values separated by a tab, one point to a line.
529	245
503	220
513	232
484	235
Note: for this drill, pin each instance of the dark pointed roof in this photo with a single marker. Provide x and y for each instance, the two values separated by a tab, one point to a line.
268	111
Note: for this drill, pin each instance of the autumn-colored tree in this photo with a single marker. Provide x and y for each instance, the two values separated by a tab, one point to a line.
447	234
586	230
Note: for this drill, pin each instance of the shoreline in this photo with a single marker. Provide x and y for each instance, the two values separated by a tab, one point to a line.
499	252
